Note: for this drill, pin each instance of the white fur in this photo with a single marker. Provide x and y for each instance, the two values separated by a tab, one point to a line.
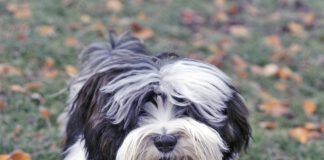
76	151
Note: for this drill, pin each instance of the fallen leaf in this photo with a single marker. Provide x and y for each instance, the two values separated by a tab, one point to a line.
49	63
190	17
296	29
308	18
44	113
140	32
71	70
284	73
85	18
46	30
114	5
270	70
220	17
300	134
309	107
51	74
268	125
311	126
32	86
20	11
219	3
280	86
4	157
71	42
239	62
274	41
239	31
17	88
274	107
3	104
6	69
20	155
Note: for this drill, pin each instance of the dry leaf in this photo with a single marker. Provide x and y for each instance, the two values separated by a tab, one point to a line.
284	73
32	86
20	155
114	5
311	126
85	18
70	70
270	69
219	3
4	157
6	69
3	104
308	18
274	107
46	30
17	88
296	29
274	41
239	31
44	113
51	74
20	11
220	17
239	62
309	107
49	63
140	32
300	134
71	42
268	125
280	86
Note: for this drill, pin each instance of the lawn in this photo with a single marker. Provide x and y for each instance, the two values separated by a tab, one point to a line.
272	49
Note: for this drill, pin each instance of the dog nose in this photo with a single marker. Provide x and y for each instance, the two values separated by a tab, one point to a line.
165	143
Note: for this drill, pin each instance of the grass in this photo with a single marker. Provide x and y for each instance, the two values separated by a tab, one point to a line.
22	126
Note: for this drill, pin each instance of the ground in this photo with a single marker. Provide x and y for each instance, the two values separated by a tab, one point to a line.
273	51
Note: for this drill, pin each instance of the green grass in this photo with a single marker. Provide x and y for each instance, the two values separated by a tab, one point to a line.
21	126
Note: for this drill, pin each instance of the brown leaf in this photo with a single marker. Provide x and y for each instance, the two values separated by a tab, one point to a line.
311	126
300	134
309	107
46	30
284	73
20	155
71	70
280	86
3	104
20	11
140	32
268	125
274	41
296	29
85	18
33	86
51	74
270	69
190	17
219	3
49	63
4	157
114	5
239	31
308	18
17	88
44	113
220	17
275	108
71	42
6	69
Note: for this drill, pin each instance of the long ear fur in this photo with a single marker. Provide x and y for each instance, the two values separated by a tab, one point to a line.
236	132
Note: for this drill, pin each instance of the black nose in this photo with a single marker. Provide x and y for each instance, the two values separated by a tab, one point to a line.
165	143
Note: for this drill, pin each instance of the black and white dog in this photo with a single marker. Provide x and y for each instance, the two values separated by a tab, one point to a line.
127	105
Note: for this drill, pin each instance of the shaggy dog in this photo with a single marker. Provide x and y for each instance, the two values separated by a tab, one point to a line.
127	105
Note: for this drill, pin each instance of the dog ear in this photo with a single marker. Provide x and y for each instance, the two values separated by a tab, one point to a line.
101	137
236	132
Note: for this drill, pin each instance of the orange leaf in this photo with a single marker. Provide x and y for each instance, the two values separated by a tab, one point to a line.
280	86
46	30
300	134
20	155
239	31
71	42
309	107
268	125
4	157
308	18
274	41
51	74
296	29
284	73
70	70
140	32
114	5
275	108
3	104
44	113
17	88
9	70
32	86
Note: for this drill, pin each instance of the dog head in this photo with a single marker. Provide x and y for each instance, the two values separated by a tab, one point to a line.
134	106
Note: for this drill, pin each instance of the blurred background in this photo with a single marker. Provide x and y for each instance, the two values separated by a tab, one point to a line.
272	49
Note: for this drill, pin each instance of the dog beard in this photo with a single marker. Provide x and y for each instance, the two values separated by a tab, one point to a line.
126	105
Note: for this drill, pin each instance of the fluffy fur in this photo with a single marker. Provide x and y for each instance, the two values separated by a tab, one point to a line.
123	99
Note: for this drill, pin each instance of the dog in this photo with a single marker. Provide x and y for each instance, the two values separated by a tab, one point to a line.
125	104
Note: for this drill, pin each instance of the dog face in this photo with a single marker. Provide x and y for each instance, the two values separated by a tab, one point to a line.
133	106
